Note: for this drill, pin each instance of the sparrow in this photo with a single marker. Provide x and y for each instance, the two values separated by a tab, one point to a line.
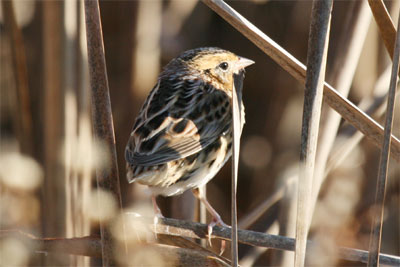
183	134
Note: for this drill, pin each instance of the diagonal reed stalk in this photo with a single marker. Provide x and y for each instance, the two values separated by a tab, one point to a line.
350	112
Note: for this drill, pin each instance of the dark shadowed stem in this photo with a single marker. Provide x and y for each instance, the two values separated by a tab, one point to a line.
24	121
53	201
107	176
376	235
316	64
294	67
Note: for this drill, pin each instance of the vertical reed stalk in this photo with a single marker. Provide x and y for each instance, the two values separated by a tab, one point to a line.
107	176
316	62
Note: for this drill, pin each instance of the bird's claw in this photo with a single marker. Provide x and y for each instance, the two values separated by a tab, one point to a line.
210	230
216	221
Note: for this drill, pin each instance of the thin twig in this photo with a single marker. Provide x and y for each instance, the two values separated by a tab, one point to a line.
316	64
107	176
294	67
376	235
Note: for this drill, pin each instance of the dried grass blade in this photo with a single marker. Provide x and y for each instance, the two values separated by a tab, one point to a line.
236	125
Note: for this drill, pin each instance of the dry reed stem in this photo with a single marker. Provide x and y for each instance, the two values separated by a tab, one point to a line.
376	235
343	106
182	252
180	228
196	230
317	51
107	177
91	245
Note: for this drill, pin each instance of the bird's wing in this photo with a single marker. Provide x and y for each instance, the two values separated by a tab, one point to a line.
173	122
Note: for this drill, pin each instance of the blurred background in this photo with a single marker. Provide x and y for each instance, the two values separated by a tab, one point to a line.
48	155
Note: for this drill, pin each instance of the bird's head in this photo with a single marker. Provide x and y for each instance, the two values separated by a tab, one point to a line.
214	65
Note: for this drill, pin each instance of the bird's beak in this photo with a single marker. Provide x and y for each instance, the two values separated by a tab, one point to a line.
243	63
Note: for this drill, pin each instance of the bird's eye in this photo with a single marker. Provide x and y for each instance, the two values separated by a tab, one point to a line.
224	65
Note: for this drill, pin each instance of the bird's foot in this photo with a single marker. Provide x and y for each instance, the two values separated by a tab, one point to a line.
217	221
